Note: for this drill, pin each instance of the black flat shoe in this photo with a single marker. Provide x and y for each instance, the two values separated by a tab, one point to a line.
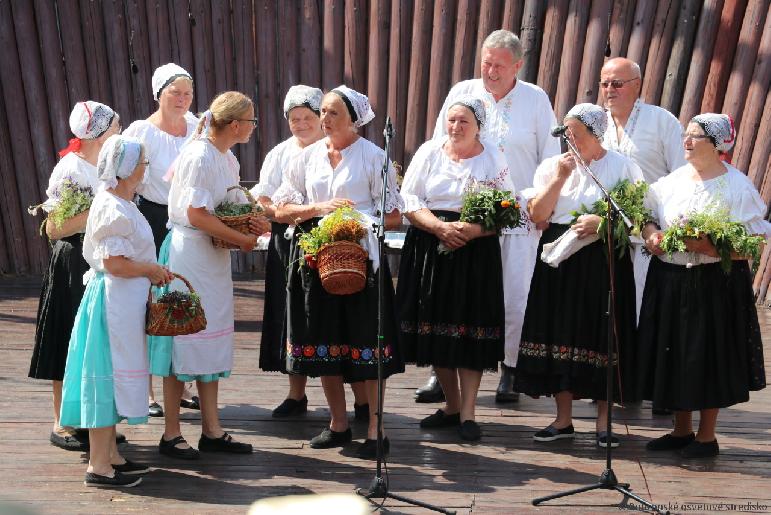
291	407
361	412
67	442
131	469
193	403
224	443
441	419
697	449
118	480
169	448
669	442
470	431
328	439
551	433
82	436
155	410
431	391
368	449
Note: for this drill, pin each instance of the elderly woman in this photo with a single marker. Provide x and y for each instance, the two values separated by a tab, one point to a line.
335	336
564	338
91	124
105	380
451	301
206	168
699	341
163	134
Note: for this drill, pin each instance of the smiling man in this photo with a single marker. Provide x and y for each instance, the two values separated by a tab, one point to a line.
519	121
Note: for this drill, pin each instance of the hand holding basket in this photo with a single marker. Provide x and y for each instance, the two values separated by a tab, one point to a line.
178	318
238	222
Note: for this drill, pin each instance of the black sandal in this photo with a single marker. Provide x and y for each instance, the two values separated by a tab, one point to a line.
224	443
169	448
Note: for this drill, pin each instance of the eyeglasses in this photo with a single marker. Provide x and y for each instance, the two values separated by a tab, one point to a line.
685	135
615	83
253	120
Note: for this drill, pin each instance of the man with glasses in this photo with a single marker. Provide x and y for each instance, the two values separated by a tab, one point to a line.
647	134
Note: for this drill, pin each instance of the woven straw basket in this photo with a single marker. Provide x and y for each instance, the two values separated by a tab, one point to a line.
342	267
240	223
174	319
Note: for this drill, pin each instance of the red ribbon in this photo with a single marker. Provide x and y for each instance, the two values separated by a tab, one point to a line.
73	146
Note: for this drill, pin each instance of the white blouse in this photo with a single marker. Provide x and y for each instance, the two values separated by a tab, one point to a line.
310	178
115	227
652	138
161	150
201	179
677	194
72	167
580	189
434	181
273	167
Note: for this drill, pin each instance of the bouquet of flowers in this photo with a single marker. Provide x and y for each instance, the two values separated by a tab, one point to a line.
343	224
715	223
71	200
630	198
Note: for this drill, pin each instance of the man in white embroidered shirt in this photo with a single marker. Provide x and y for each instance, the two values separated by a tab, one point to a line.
519	121
649	135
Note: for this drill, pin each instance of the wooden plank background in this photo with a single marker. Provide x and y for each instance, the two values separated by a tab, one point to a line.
712	55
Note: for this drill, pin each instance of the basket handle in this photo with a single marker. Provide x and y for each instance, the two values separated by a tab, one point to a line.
178	276
249	196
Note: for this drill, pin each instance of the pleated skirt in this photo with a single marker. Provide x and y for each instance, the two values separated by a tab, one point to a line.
272	358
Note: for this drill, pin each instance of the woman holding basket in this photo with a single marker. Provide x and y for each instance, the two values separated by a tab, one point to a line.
206	169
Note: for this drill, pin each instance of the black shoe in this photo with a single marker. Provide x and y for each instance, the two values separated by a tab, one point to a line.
551	433
470	431
368	449
131	469
441	419
169	448
669	442
291	407
68	442
155	410
193	403
224	443
697	449
82	436
361	412
117	480
431	391
328	439
661	412
602	440
505	391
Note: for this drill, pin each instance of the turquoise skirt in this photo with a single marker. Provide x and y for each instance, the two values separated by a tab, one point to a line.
88	393
160	348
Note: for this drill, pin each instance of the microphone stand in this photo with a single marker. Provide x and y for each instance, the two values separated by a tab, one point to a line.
378	489
608	479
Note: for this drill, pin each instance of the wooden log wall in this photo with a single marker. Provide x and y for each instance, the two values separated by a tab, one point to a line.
696	56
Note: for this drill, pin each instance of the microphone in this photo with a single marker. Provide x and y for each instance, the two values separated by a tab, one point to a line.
559	130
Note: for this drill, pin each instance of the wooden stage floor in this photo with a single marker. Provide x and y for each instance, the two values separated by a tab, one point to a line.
501	474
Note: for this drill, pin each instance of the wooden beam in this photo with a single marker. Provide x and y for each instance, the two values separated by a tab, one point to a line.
140	66
531	35
441	53
512	15
642	30
489	20
465	49
356	44
594	51
399	59
760	153
72	50
723	55
551	50
310	50
621	23
417	93
377	68
570	64
681	55
660	48
333	60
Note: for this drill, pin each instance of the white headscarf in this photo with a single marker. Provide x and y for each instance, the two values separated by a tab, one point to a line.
719	128
303	96
118	158
165	75
357	104
591	115
476	106
89	119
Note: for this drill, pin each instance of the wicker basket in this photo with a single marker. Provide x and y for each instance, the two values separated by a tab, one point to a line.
240	223
342	267
171	319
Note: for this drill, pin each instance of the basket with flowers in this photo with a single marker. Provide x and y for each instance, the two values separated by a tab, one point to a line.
236	216
333	248
175	313
727	236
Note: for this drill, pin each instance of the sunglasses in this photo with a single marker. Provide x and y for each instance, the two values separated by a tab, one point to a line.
685	135
253	120
616	83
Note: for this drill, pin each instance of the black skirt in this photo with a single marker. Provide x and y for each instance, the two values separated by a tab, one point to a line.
451	311
565	333
272	359
699	337
157	215
330	335
59	301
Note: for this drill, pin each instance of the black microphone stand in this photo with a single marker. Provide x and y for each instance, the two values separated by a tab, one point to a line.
608	479
378	489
